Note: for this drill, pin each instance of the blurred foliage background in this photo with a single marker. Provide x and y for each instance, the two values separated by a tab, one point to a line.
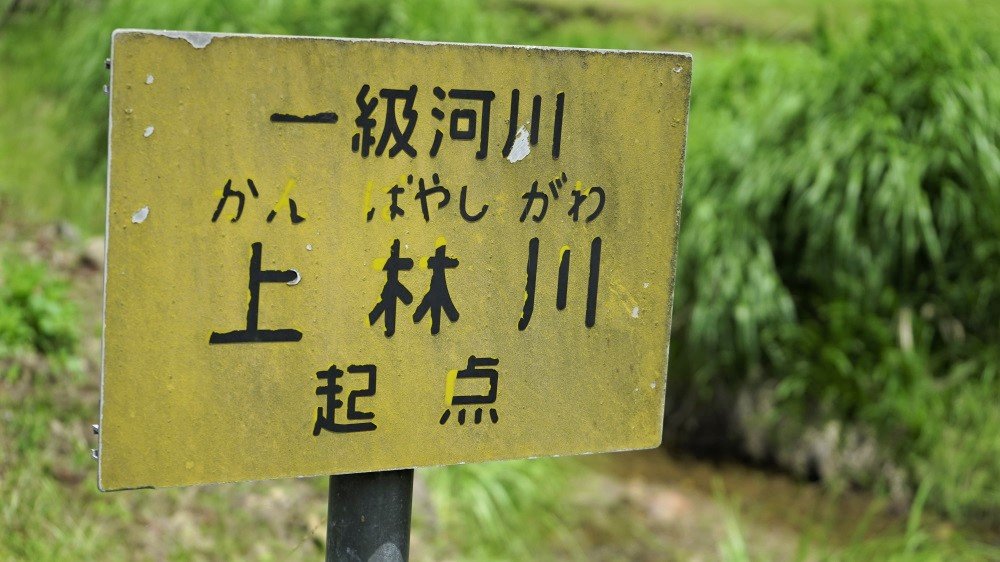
837	304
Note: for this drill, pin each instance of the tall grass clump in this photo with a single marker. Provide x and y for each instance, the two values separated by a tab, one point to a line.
842	237
502	510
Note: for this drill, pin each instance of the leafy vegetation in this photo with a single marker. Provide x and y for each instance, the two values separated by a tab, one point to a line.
36	314
841	238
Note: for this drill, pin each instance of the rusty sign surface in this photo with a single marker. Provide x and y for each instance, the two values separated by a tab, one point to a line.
330	256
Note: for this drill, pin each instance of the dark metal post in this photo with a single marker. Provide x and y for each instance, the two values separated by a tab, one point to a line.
369	517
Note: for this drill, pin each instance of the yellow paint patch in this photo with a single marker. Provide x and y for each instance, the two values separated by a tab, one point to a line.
449	387
283	201
179	410
367	206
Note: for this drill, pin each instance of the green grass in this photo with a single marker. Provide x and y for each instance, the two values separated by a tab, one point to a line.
505	510
915	540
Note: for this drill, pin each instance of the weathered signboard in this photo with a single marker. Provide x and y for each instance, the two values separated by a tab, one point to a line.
331	256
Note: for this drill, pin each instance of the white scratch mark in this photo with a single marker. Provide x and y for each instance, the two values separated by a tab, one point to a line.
149	78
645	285
297	278
140	215
309	247
635	312
521	147
197	40
148	131
678	69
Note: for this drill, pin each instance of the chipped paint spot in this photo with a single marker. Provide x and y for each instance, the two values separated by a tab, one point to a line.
521	147
197	39
678	69
297	278
388	552
148	131
309	247
628	302
635	312
149	78
140	215
645	285
652	385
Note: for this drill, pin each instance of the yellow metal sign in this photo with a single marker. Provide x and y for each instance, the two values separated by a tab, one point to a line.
330	256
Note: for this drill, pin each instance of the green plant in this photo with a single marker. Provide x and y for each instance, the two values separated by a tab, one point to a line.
841	235
733	547
36	312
